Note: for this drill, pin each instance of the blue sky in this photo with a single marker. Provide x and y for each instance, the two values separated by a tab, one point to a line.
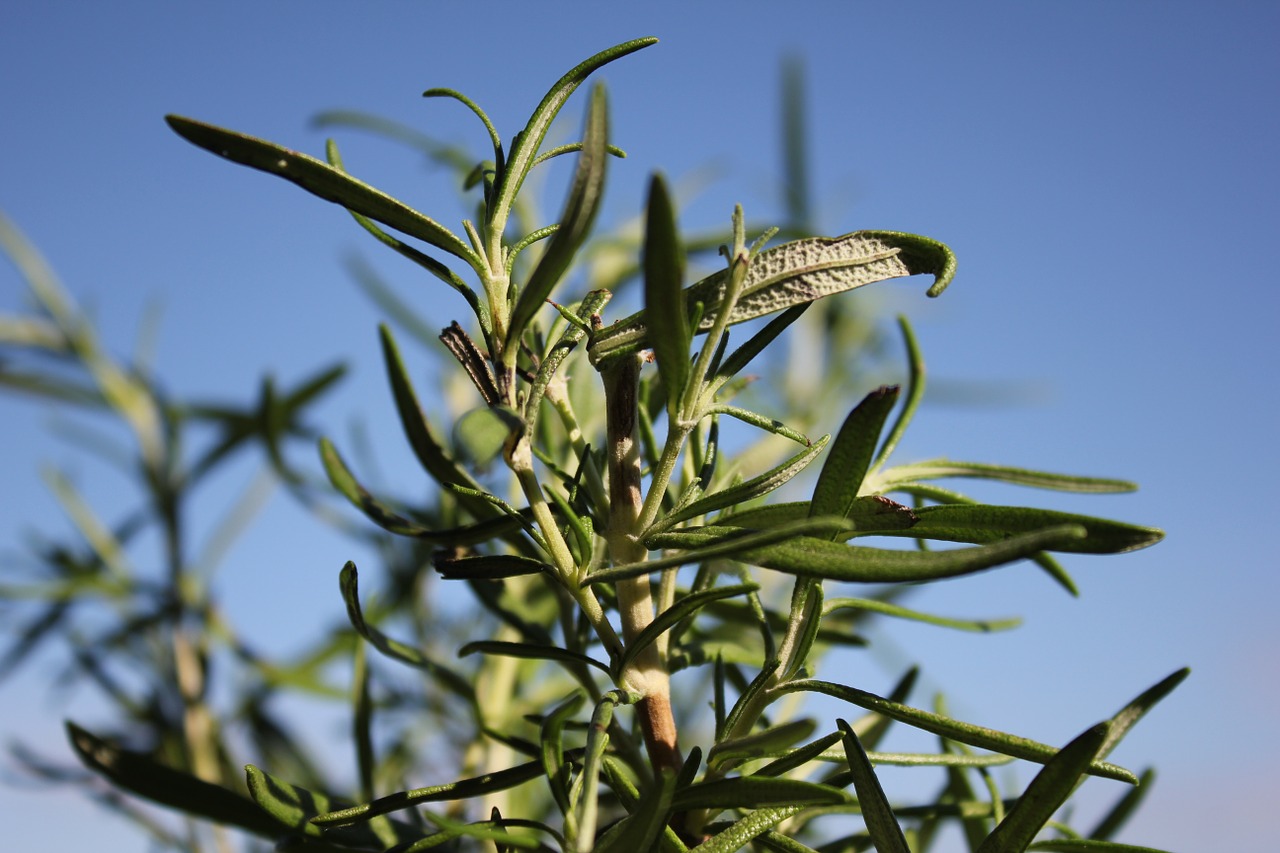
1105	172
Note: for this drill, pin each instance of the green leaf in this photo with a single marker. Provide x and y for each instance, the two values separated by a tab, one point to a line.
390	520
524	148
851	453
1082	845
983	738
320	179
140	774
663	297
463	789
753	792
737	835
868	514
792	274
894	610
294	807
530	651
883	828
481	434
740	493
1046	793
707	543
552	749
936	469
575	220
640	829
667	619
811	557
799	757
431	454
348	581
1127	717
757	744
983	523
488	567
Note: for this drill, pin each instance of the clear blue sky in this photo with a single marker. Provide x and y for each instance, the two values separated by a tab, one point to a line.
1106	173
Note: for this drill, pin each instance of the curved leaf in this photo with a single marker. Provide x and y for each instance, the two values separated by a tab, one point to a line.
792	274
883	828
524	148
851	453
753	792
663	298
668	618
811	557
575	222
984	738
983	523
391	521
1046	793
141	774
320	179
348	581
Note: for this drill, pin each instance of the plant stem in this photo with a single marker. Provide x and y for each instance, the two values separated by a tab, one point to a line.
647	674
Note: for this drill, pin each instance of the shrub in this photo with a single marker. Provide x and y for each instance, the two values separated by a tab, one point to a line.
650	609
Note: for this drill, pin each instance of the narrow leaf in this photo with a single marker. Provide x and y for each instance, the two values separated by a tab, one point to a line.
464	789
747	490
524	148
141	774
851	454
640	830
319	178
752	792
488	567
737	835
883	828
390	520
663	298
667	619
982	523
1046	793
531	651
585	193
983	738
792	274
348	581
812	557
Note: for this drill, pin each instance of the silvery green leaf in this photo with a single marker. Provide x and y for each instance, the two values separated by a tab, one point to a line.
792	274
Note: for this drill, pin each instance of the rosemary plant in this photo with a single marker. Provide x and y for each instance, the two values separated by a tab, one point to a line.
627	571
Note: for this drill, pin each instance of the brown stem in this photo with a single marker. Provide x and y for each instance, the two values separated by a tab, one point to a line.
647	673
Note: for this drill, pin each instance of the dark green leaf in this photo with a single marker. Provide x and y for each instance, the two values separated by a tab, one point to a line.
141	774
851	453
983	523
1046	793
640	830
883	828
663	297
760	743
323	180
745	491
575	221
488	567
686	606
531	651
1082	845
754	792
388	519
983	738
811	557
348	581
524	148
464	789
431	454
